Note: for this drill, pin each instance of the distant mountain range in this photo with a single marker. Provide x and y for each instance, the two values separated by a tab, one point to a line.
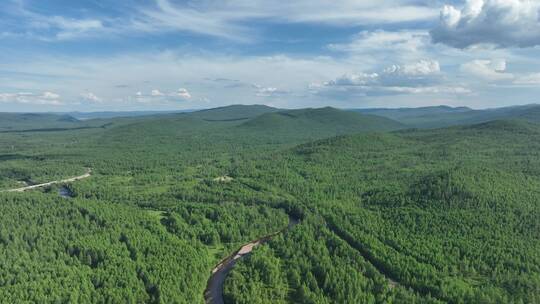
265	119
18	121
232	112
443	116
113	114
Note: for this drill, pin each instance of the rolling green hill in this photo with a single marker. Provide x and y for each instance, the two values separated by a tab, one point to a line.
119	114
317	123
529	112
411	113
245	125
18	121
518	126
446	215
451	215
443	116
232	113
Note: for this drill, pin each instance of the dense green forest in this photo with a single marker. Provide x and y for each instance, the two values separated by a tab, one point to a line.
388	214
444	116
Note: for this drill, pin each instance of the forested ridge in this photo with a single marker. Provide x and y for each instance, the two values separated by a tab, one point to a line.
412	216
451	214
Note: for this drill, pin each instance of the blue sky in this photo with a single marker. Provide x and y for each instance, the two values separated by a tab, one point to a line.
91	55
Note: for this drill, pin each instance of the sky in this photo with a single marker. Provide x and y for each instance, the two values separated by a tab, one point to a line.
92	55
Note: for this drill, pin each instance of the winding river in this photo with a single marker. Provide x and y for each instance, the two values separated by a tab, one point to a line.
214	288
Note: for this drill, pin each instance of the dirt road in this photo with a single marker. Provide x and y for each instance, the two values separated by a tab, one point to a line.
64	181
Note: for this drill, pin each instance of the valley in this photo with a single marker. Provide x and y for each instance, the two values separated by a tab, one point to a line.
270	152
214	291
388	212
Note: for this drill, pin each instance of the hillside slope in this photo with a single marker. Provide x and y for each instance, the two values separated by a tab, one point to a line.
450	215
443	116
22	121
408	113
232	112
318	123
412	216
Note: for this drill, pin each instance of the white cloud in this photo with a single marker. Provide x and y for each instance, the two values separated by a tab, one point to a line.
361	79
156	93
502	23
7	97
369	41
269	92
224	18
431	90
380	48
169	17
420	68
494	72
490	70
181	93
45	98
530	79
51	27
91	97
164	71
74	29
75	25
422	77
345	12
378	54
160	97
412	75
50	96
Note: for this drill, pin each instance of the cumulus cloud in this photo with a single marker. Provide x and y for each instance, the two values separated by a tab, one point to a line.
431	90
356	79
169	71
156	93
530	79
269	92
45	98
158	96
491	70
501	23
494	72
182	93
420	68
49	96
414	74
91	97
422	77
